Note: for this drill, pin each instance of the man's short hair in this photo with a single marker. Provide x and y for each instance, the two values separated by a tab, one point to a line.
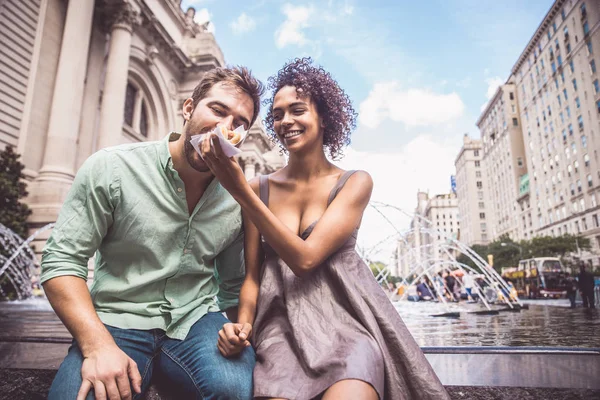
240	77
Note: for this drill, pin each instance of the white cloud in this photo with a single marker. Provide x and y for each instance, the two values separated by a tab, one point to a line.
291	30
413	107
204	16
242	24
425	163
493	85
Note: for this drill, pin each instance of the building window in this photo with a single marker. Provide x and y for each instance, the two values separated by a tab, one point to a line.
577	102
590	48
130	96
571	63
586	28
579	185
596	86
477	163
520	161
593	66
478	174
476	153
511	95
481	204
480	195
135	112
584	141
565	94
580	122
479	185
595	220
586	160
568	110
515	122
575	84
589	178
570	127
481	215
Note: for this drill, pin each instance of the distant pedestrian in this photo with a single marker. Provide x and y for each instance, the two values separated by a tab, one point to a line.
469	283
571	285
586	286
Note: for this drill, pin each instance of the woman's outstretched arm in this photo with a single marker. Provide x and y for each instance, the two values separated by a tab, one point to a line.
334	228
254	257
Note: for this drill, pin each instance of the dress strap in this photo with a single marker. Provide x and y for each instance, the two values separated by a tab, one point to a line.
263	185
339	185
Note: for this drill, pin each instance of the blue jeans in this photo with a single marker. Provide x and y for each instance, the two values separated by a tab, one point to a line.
193	366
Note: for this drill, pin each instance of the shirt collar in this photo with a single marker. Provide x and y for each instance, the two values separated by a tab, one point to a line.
165	154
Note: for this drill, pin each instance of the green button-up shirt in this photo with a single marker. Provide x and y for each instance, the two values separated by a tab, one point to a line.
157	266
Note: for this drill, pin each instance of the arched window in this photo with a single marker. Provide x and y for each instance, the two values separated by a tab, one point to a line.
135	114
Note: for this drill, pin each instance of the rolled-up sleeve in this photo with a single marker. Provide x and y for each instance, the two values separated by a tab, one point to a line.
230	271
83	221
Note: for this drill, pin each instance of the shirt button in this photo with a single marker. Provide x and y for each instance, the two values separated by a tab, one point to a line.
179	190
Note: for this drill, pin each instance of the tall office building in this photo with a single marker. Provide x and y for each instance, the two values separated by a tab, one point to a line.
558	91
503	160
471	184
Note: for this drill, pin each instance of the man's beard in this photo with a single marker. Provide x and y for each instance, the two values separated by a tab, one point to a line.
191	155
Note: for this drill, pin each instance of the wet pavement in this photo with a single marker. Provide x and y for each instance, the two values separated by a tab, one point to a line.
546	323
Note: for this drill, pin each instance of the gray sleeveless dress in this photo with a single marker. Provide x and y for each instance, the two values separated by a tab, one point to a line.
335	324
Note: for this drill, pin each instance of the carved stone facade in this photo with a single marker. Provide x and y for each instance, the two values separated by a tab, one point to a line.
97	73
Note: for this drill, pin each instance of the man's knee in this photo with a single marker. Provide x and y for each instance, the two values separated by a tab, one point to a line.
67	381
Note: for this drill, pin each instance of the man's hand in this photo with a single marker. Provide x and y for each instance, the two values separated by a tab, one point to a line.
233	338
109	371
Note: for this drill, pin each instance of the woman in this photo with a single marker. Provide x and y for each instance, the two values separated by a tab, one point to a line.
322	324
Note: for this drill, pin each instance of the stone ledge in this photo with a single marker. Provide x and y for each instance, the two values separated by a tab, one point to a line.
33	384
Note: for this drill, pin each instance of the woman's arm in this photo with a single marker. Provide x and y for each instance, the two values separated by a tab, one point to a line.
254	257
341	218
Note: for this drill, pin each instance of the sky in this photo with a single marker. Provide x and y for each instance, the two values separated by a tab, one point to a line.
419	74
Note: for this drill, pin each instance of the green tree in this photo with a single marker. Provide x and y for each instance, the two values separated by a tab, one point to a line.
376	267
549	246
13	213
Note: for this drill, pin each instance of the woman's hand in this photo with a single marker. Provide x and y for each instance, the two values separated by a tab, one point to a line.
233	338
224	168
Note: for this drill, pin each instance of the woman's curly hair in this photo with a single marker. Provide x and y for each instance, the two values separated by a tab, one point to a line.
333	104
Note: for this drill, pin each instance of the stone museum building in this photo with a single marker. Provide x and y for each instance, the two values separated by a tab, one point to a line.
78	76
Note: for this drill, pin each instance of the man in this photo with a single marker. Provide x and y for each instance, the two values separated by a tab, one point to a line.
423	291
168	240
586	286
469	283
571	285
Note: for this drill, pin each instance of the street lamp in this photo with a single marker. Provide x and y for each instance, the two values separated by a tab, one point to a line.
503	244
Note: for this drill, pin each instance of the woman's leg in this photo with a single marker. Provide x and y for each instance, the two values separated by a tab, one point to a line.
350	389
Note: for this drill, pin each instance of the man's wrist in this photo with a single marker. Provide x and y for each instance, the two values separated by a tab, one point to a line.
96	345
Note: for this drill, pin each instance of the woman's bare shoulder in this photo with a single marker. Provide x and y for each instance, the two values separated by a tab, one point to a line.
359	184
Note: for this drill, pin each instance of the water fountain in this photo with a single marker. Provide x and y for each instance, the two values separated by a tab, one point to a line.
436	255
18	263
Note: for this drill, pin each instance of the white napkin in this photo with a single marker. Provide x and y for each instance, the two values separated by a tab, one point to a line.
228	149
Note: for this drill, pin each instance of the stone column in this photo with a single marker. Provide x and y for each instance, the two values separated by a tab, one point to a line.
115	82
49	189
249	167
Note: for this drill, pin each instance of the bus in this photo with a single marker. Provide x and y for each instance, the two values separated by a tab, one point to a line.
541	277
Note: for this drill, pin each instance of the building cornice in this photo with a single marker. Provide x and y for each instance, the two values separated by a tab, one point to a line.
546	22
